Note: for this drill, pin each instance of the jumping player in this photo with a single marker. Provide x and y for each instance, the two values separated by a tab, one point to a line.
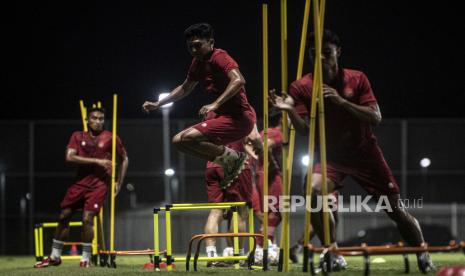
91	152
350	111
235	118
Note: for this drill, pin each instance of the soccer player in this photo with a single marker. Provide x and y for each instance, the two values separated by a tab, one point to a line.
350	111
298	246
274	174
239	191
91	152
235	118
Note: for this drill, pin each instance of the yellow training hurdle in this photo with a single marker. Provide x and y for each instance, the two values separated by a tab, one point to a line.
39	240
169	259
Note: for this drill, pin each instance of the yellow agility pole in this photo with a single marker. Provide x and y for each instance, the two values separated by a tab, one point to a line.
311	146
113	176
284	244
101	230
83	115
265	133
321	121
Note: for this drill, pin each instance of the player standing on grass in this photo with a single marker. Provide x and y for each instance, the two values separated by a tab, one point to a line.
239	191
275	140
91	151
234	119
350	111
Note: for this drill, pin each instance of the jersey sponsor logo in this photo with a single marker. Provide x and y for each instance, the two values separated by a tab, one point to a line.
204	124
390	185
348	93
83	143
101	144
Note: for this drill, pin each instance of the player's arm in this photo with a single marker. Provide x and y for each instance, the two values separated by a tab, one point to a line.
287	105
122	172
255	140
236	82
370	113
177	94
73	157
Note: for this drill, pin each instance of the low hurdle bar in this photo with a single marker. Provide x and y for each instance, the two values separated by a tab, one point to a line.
395	249
39	241
157	259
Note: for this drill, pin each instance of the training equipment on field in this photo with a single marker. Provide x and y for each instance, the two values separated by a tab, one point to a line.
39	240
367	251
168	258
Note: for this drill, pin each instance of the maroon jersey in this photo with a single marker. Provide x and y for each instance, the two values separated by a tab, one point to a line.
274	158
94	147
345	134
213	75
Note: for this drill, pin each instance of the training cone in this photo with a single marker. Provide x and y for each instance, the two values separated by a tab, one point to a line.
162	266
149	266
74	250
452	271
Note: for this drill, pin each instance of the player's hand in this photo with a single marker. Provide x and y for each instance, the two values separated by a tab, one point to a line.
104	163
278	101
149	106
257	146
331	93
249	150
117	188
207	108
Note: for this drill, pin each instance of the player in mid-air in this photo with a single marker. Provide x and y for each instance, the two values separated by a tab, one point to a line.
234	118
352	149
91	152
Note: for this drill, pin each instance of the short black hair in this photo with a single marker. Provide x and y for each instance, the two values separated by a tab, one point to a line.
94	109
200	30
328	37
274	116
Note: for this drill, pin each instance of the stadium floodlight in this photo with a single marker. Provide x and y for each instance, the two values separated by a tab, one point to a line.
305	159
169	172
164	95
425	162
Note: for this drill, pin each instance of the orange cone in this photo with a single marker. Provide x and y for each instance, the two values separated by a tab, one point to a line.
74	250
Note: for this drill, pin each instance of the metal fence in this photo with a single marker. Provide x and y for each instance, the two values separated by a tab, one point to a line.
34	176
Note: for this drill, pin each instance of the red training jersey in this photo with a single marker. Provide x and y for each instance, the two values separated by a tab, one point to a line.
345	134
275	154
213	75
94	147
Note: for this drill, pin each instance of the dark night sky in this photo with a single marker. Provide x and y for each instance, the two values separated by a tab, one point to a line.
55	53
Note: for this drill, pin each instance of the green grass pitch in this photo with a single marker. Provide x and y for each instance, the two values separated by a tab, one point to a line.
393	265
